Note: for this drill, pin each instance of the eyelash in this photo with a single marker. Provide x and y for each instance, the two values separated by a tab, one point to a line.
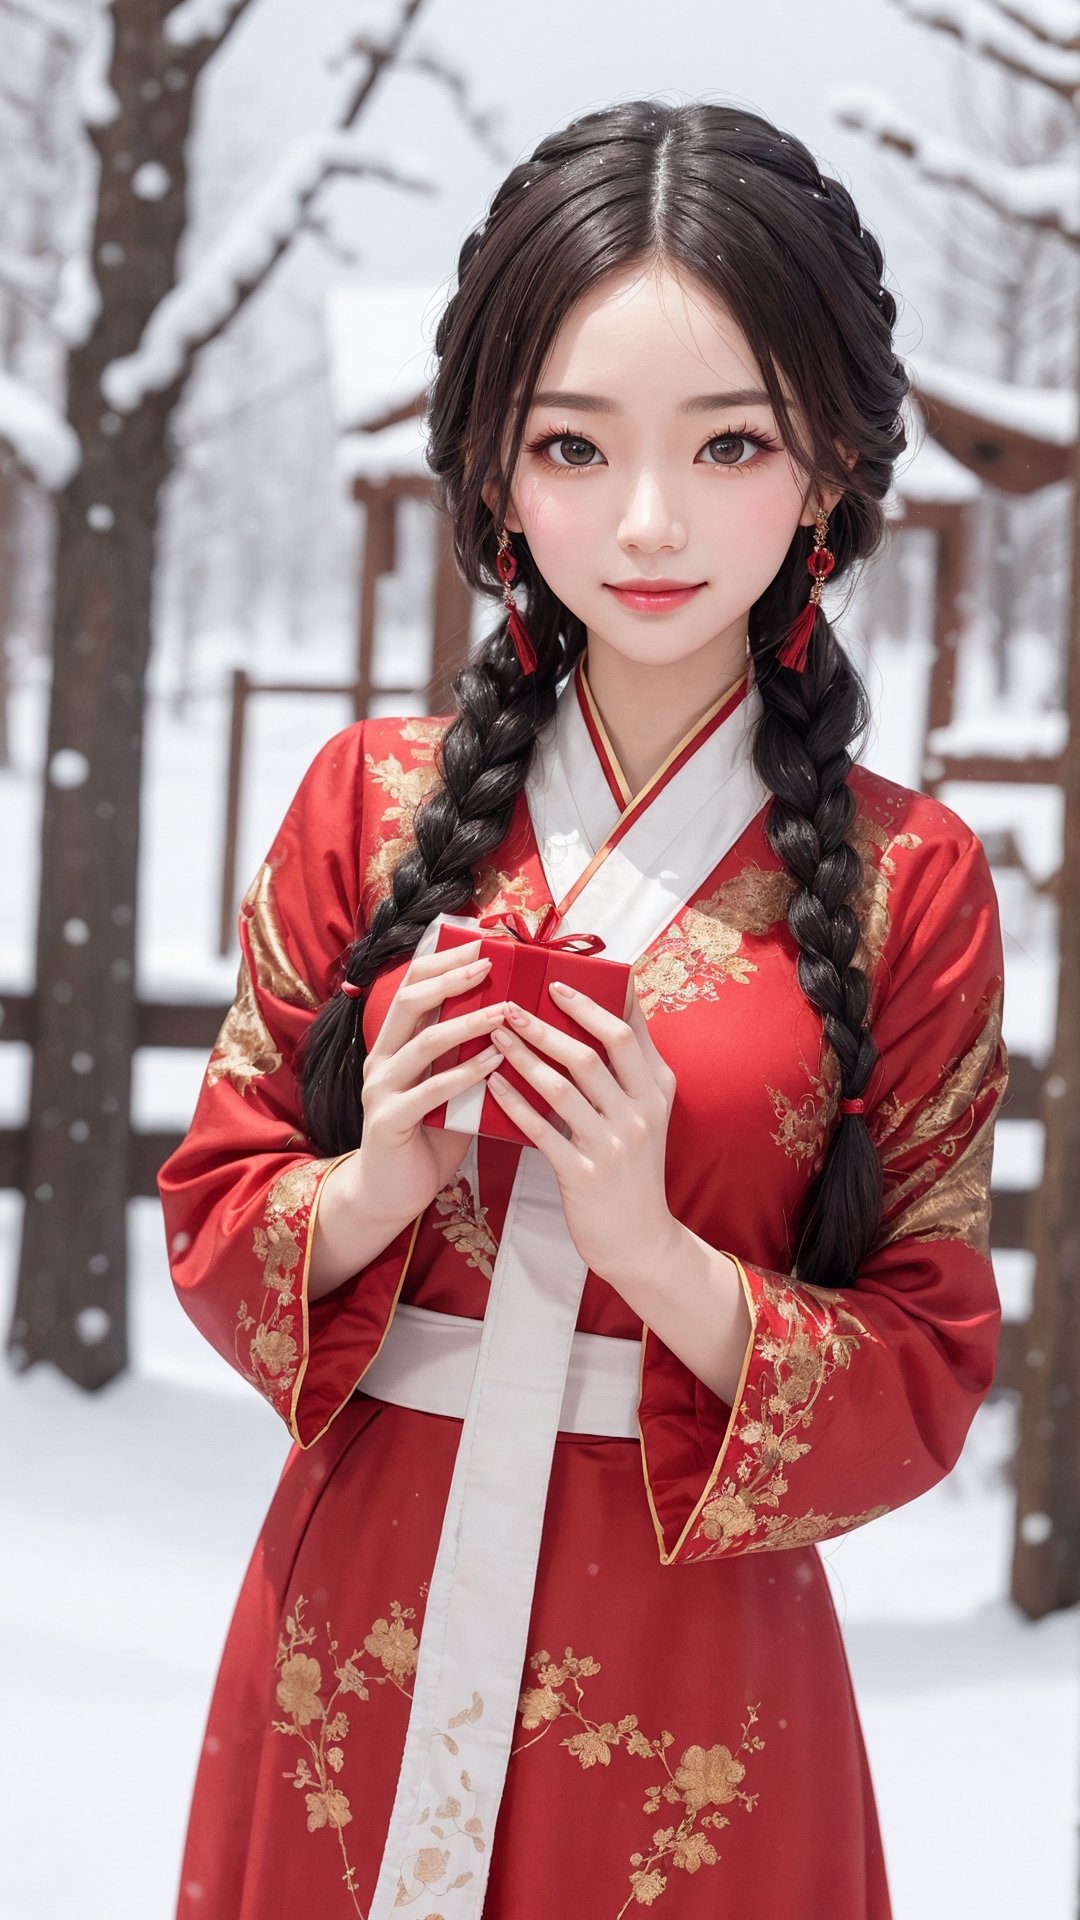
759	440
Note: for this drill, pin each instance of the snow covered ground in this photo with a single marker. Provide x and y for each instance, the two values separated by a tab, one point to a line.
128	1517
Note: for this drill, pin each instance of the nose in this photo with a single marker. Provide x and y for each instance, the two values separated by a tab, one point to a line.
651	520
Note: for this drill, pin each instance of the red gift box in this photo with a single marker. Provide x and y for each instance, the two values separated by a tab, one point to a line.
523	964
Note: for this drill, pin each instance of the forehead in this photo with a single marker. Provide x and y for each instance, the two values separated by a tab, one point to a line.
643	333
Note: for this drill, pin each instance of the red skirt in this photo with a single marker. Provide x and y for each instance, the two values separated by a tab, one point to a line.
687	1736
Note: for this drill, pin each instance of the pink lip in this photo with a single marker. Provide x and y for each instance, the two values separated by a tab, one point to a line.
653	596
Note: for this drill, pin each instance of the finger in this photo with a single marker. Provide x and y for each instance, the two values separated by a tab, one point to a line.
566	1099
413	1058
411	1106
661	1069
625	1061
422	992
587	1068
540	1133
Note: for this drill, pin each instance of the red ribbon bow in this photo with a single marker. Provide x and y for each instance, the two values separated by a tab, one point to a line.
515	922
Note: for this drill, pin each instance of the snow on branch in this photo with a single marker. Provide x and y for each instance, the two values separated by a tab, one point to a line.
78	301
432	62
205	299
195	20
1045	195
31	279
1046	413
1054	20
984	28
52	16
41	440
98	104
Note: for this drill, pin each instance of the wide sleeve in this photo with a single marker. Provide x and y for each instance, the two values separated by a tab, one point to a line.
855	1400
241	1192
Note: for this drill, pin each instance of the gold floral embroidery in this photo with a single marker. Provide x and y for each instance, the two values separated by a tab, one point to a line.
870	903
244	1049
323	1726
809	1336
494	889
405	788
804	1126
705	1777
464	1224
274	1348
426	729
703	947
947	1196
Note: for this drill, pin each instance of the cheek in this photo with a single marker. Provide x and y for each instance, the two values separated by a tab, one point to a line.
555	517
756	520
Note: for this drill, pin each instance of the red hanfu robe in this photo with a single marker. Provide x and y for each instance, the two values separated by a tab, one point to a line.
687	1733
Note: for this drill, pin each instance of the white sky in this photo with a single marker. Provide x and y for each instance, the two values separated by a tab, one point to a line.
542	65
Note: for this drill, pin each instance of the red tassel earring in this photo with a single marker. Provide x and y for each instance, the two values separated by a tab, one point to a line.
506	568
819	564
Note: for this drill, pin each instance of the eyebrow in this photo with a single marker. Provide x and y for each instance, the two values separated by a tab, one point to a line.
701	403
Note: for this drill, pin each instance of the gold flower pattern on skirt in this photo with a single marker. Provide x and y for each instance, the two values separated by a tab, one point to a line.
322	1727
704	1780
464	1224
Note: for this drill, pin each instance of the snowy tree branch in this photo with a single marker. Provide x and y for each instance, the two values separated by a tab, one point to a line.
201	305
429	61
206	299
1045	195
1005	38
197	20
1057	21
41	440
52	16
30	280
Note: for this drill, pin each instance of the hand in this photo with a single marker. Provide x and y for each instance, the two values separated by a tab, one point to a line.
401	1164
610	1169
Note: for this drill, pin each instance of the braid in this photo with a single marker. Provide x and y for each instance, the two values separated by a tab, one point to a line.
483	759
809	719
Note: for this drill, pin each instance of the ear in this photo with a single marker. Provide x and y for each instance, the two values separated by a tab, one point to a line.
489	494
826	496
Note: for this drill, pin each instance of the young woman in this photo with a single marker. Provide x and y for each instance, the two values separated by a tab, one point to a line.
535	1623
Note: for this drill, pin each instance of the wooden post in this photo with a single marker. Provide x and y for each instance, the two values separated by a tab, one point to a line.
953	530
451	616
1046	1549
233	796
380	505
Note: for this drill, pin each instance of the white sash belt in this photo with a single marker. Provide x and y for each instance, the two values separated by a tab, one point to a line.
479	1604
427	1361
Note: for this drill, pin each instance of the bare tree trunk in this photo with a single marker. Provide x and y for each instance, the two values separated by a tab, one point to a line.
9	523
70	1303
1046	1551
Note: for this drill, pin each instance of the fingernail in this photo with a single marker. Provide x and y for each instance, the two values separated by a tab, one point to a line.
477	966
514	1013
560	986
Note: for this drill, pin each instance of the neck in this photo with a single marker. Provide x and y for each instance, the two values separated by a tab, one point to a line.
647	708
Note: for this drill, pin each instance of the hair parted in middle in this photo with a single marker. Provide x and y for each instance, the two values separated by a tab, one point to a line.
721	196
